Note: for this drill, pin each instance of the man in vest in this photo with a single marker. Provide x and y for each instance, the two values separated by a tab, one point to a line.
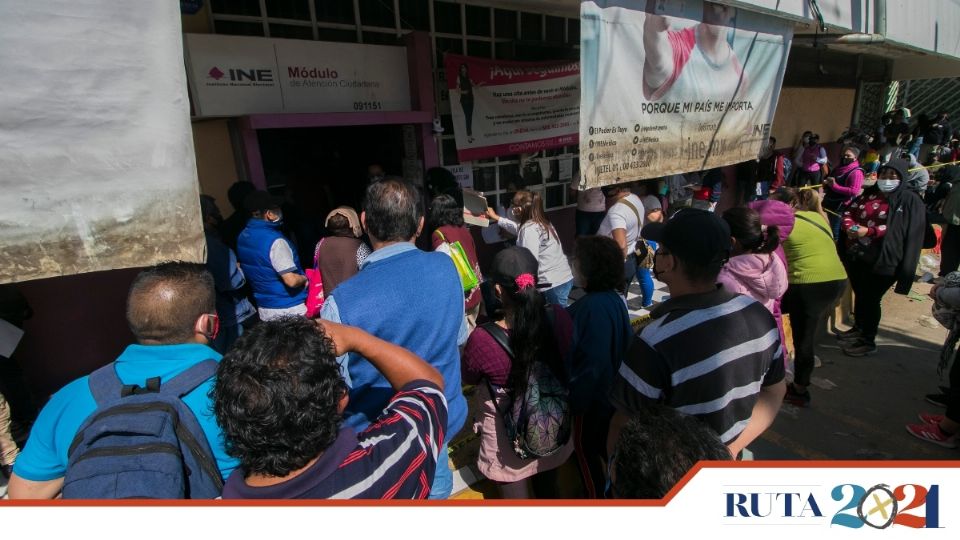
409	298
269	260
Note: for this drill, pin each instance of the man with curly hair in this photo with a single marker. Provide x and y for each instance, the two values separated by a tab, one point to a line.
280	398
656	448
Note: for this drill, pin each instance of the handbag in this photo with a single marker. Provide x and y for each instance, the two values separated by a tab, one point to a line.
315	296
641	250
468	277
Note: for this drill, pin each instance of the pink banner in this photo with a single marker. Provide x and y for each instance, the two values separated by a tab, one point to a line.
501	107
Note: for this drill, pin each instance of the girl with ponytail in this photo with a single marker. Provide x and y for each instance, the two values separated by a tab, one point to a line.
537	332
753	269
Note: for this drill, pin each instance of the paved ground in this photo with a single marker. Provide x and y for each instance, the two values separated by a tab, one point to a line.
861	405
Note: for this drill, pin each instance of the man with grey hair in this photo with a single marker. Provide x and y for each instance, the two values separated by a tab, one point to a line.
405	296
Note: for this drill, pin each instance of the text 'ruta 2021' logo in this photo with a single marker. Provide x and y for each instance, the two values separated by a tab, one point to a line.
849	505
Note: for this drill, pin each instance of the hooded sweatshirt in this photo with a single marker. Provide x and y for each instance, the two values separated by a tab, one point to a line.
900	245
761	276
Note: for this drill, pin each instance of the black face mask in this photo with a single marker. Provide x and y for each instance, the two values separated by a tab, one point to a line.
846	161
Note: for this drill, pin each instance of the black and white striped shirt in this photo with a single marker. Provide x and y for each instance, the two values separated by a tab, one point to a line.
706	355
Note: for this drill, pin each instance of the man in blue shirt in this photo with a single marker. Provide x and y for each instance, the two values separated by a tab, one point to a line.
171	311
407	297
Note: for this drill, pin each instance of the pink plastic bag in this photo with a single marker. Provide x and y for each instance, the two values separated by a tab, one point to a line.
315	296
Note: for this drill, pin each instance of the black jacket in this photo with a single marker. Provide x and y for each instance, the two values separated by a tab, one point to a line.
906	224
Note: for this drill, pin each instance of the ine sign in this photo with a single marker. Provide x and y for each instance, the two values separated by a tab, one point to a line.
231	76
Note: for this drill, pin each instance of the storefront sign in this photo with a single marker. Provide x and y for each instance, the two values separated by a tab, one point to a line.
501	108
681	86
232	76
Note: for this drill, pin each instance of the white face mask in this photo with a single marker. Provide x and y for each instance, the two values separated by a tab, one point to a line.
887	186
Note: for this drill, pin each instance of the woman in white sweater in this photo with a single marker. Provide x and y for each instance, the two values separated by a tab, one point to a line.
535	233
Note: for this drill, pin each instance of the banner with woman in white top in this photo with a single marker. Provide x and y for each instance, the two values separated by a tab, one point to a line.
675	86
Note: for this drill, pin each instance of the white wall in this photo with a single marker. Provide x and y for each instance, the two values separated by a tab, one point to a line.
932	25
851	15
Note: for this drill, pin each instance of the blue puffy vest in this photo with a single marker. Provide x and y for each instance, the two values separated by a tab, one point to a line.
253	251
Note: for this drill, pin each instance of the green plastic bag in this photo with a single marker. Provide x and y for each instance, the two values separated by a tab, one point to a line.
468	278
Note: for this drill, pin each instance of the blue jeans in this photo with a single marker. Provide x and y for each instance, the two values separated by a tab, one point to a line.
442	486
645	279
558	295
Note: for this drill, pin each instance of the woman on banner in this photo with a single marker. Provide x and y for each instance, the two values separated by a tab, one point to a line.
693	64
465	88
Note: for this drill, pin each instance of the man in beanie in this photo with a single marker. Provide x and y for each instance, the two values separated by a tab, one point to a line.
269	260
707	352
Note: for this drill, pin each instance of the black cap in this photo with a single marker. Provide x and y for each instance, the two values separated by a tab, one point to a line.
512	262
261	201
694	236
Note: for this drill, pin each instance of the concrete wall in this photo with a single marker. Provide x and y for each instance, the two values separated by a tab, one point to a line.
216	165
852	15
826	111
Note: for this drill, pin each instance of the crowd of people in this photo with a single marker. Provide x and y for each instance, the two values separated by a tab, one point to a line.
254	376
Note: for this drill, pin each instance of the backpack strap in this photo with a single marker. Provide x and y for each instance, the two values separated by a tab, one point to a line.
636	211
190	379
105	384
442	237
499	335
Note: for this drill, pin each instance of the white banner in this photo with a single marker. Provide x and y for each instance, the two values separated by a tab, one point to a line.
671	86
232	76
97	165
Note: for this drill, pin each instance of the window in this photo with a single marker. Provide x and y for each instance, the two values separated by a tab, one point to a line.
381	38
377	13
236	7
531	26
446	17
289	9
334	11
556	29
415	15
482	49
478	21
239	28
505	23
332	34
290	31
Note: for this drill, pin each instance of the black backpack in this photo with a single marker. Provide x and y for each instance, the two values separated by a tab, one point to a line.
143	442
539	421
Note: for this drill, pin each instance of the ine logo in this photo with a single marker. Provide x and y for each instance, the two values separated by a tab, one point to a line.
241	76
